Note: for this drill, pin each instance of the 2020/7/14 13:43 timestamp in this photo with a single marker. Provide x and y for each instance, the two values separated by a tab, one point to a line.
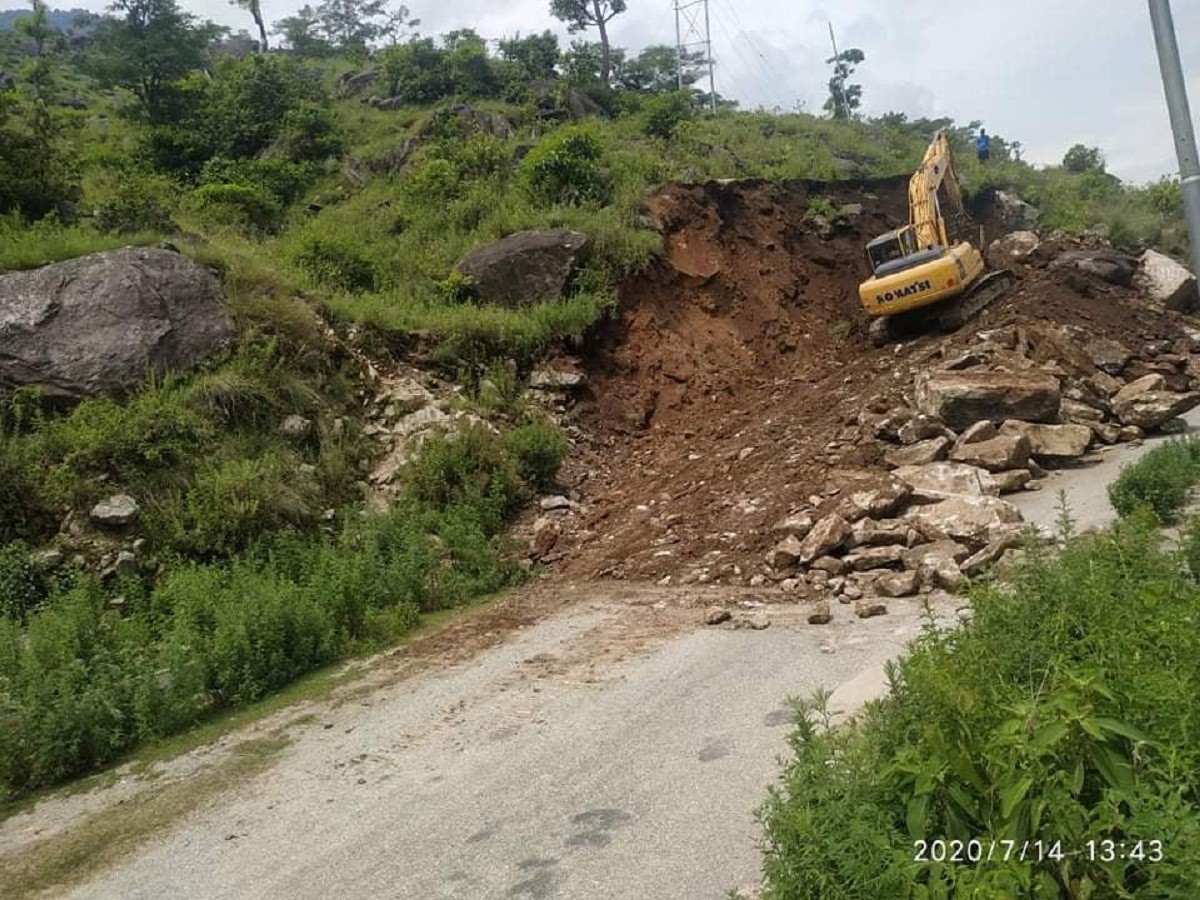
1137	851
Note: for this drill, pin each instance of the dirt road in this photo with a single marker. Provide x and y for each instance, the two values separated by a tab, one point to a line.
615	749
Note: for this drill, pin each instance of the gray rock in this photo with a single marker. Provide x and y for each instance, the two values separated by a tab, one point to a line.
820	614
1166	281
961	399
556	501
920	453
716	615
525	268
296	428
1051	442
898	584
115	511
99	323
942	481
1001	453
1016	213
869	607
826	536
1016	247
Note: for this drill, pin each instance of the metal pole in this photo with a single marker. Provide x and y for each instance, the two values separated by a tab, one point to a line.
678	51
1181	119
712	86
841	80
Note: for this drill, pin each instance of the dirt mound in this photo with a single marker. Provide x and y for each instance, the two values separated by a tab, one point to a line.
733	378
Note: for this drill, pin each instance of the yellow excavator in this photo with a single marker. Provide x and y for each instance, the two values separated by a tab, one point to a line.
920	278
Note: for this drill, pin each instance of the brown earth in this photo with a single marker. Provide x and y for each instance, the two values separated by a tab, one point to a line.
732	378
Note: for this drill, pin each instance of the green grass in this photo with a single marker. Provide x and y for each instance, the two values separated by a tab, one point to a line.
1064	711
1161	480
25	246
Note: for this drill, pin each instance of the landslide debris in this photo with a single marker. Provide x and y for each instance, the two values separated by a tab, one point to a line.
735	425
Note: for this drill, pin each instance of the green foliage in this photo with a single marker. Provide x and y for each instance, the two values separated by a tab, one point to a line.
844	99
535	55
27	246
1080	159
821	207
468	468
416	72
244	206
564	168
662	116
1161	480
22	582
135	203
334	263
38	164
539	450
1060	713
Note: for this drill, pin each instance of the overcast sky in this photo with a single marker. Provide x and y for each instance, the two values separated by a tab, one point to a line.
1049	73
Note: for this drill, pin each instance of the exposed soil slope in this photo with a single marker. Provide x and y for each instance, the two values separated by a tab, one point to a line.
731	381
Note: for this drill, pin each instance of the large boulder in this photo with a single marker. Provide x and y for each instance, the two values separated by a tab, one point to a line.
1016	213
966	519
1146	404
961	399
941	481
863	493
1166	281
1107	265
1001	453
1051	442
827	535
1016	247
98	324
525	268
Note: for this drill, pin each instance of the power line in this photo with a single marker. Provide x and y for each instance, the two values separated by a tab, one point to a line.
692	30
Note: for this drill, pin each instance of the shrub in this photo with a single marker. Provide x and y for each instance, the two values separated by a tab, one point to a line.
136	203
539	450
281	179
230	504
470	467
662	115
245	206
333	262
22	586
1161	480
564	168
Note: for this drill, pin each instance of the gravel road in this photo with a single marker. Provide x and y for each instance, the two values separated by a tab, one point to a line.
615	750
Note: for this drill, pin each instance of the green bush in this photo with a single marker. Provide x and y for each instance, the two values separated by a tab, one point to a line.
1062	712
22	583
1161	480
244	206
662	115
564	168
334	263
230	504
471	467
136	203
539	450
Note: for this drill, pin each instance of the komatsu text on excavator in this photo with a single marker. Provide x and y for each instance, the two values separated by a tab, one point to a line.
920	277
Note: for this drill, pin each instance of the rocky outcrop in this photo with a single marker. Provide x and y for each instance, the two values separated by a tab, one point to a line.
1165	281
98	324
116	511
1051	442
525	268
961	399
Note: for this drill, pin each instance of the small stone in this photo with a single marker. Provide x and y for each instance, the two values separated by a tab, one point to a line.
756	622
899	584
820	614
870	607
851	592
980	431
786	553
296	428
557	501
115	511
717	615
126	564
797	525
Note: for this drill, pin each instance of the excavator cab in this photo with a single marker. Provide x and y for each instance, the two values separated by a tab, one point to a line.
899	250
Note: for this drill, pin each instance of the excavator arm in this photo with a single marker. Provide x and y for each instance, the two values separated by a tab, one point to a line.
924	207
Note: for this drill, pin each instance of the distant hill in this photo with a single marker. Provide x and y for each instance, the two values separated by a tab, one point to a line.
62	19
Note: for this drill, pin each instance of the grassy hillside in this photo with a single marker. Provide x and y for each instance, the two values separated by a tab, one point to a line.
323	213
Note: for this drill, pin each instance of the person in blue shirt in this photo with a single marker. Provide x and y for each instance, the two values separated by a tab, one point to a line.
983	145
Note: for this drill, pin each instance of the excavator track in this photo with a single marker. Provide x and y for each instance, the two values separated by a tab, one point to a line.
954	314
949	315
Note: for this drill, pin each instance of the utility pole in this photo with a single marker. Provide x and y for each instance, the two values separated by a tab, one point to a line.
690	31
837	74
1181	120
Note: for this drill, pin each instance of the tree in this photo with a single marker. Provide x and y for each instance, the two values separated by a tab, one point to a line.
1080	159
417	72
254	7
844	98
350	24
397	24
36	28
537	55
302	33
583	14
653	70
148	47
581	64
